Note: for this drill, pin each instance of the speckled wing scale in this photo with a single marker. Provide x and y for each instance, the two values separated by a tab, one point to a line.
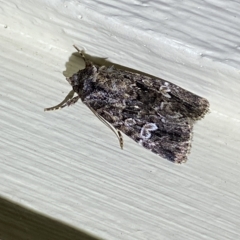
155	113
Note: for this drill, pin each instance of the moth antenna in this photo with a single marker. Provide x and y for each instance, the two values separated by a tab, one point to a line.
81	52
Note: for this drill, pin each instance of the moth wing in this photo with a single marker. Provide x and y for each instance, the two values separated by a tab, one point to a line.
169	139
188	103
155	113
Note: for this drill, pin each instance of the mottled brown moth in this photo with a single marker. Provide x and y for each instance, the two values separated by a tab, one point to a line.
157	114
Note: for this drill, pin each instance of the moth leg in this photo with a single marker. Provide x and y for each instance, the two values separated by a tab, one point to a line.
116	131
68	101
71	102
120	138
67	98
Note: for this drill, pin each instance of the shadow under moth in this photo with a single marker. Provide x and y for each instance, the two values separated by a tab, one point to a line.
157	114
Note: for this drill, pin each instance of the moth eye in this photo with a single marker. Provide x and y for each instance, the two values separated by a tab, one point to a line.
74	80
75	77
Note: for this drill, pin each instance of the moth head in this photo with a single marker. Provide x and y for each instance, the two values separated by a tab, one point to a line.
76	82
82	82
73	80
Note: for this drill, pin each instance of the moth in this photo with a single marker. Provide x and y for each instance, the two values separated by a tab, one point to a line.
157	114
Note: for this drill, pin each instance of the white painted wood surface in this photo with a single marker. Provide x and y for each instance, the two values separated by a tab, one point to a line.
67	166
